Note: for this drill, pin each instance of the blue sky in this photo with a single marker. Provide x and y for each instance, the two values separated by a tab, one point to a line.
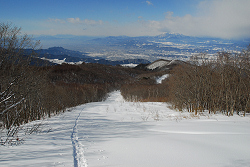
215	18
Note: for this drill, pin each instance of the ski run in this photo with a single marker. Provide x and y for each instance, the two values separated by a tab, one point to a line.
132	134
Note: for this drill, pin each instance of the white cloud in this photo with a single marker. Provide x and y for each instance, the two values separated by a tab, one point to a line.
77	20
74	20
217	18
85	22
149	3
56	20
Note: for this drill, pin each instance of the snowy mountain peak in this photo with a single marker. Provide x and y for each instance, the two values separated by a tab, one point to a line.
170	35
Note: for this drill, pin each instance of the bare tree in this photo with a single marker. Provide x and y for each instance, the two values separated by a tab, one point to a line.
221	85
12	71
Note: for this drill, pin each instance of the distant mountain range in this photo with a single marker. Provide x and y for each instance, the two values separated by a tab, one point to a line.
58	55
151	48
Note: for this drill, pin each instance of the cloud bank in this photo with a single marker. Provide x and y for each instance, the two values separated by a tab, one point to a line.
77	20
149	3
217	18
86	21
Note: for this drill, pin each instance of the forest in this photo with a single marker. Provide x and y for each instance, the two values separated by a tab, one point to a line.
218	85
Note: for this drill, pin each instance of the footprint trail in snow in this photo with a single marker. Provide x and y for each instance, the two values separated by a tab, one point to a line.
78	151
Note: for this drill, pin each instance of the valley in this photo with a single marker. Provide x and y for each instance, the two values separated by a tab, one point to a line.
165	46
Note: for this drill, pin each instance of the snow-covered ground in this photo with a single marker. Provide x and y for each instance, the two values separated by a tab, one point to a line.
129	65
160	79
133	134
57	61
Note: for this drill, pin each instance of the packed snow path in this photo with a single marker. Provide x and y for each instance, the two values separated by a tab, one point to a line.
132	134
78	152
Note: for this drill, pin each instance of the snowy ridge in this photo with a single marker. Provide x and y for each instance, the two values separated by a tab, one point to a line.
159	64
78	151
175	62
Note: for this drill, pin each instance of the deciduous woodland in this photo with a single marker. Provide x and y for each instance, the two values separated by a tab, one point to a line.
38	92
30	91
221	85
218	85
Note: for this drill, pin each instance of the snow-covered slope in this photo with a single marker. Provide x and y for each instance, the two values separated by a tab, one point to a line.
163	64
157	64
132	134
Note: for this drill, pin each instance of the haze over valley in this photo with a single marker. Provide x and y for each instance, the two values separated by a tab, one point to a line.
165	46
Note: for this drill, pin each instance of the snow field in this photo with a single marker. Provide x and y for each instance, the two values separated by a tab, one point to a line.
134	134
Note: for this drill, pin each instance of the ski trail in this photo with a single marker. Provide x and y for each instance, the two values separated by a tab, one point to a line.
78	151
